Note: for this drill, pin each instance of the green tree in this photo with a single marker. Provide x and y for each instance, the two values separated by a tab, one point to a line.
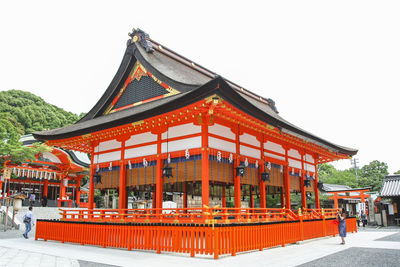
372	175
398	172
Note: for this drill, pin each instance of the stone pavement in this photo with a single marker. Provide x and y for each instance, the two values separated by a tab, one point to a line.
369	247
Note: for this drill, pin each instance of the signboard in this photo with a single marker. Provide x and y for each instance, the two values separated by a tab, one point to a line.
7	174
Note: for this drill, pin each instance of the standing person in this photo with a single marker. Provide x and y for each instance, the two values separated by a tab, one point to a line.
358	219
28	221
44	201
364	219
342	226
32	199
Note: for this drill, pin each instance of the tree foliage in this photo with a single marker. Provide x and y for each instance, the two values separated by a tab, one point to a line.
370	175
21	113
29	113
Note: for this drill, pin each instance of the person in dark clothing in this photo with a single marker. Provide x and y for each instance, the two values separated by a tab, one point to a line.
364	219
44	201
342	226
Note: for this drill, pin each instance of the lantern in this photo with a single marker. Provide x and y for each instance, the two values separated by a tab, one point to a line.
240	170
167	171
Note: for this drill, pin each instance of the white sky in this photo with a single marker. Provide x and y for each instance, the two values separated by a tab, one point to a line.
332	67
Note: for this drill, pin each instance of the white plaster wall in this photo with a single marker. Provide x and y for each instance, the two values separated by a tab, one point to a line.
141	139
274	147
294	153
51	157
251	152
249	139
107	145
294	163
182	130
194	142
106	157
221	144
309	167
274	156
221	130
140	151
309	158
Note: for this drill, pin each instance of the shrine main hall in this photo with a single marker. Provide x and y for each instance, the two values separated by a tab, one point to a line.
167	124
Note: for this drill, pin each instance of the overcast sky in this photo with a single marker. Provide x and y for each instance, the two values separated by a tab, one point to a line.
332	67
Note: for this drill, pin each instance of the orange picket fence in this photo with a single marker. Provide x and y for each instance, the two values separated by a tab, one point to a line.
194	239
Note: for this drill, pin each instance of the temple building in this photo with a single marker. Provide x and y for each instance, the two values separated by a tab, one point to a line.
166	124
55	176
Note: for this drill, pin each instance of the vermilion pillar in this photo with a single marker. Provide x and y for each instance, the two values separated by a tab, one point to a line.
62	188
78	191
287	187
205	165
251	198
316	189
238	203
91	181
184	196
223	197
159	178
122	204
302	188
263	196
45	187
282	198
1	189
237	191
303	191
154	197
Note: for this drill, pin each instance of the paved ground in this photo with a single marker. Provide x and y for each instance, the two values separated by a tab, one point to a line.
368	247
359	257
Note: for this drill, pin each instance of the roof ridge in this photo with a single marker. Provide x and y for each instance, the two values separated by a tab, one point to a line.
140	35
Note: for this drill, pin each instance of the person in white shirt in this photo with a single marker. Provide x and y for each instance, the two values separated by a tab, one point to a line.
28	221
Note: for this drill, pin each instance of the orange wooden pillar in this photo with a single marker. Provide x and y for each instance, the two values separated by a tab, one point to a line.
1	189
45	188
223	197
303	191
251	198
237	193
236	181
316	189
159	178
302	188
263	195
78	191
287	187
91	181
154	197
335	200
185	199
205	165
122	204
63	187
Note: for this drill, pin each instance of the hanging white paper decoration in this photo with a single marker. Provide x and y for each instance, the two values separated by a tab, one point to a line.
256	164
110	167
97	168
23	172
130	165
65	182
19	172
37	174
14	170
313	176
169	158
269	166
219	156
246	162
281	169
230	158
292	171
145	163
187	155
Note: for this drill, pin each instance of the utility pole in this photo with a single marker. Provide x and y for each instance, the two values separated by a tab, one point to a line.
354	162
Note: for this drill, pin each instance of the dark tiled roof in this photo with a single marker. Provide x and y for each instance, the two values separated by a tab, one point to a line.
391	186
192	80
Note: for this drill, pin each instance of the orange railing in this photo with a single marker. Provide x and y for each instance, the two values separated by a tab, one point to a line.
194	239
204	215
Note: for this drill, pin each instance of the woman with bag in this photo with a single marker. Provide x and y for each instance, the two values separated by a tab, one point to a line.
342	226
28	221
